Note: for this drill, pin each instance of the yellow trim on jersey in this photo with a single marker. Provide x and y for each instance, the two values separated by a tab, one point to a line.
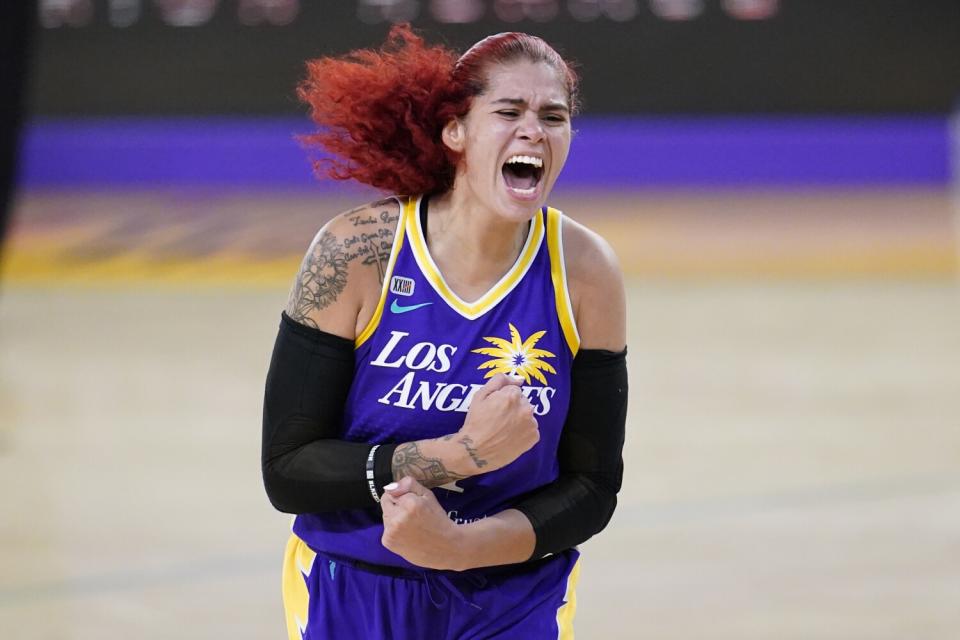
405	211
566	612
473	310
297	563
558	273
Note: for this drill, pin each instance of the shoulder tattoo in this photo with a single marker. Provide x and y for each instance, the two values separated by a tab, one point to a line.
322	278
323	273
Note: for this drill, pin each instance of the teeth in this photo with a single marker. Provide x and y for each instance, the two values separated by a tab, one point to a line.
525	192
537	162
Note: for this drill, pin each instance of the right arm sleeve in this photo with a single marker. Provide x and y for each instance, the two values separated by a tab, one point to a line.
306	467
581	501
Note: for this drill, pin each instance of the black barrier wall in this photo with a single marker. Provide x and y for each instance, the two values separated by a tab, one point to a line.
15	37
100	57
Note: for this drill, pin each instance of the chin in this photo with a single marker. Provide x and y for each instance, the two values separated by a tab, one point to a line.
519	211
521	206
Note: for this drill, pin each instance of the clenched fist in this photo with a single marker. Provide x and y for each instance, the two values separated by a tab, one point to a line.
500	426
416	528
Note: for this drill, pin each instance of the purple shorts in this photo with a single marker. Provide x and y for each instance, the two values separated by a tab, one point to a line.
326	597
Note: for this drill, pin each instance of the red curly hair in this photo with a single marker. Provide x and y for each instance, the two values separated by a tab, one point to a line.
381	112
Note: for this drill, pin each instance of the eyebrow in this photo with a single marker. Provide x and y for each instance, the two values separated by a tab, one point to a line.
550	106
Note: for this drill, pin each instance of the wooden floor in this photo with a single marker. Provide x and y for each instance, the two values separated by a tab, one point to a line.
793	461
257	239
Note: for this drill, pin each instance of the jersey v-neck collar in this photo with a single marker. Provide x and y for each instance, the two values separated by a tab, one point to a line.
506	284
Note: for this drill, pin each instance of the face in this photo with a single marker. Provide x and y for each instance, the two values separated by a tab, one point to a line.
514	140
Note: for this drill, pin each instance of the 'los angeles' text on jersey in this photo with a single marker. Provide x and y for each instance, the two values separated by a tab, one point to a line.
410	392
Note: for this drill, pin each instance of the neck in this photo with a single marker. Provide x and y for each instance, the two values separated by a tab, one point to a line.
472	245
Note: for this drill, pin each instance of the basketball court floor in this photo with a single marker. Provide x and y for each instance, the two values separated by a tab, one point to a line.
793	443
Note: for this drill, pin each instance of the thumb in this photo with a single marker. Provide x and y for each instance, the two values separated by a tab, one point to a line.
407	484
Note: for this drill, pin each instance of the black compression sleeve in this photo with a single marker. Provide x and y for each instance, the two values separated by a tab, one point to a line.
306	467
581	501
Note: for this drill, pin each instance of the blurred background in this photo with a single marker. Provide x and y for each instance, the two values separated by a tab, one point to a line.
775	176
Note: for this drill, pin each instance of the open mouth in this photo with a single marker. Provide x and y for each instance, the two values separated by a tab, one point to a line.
522	174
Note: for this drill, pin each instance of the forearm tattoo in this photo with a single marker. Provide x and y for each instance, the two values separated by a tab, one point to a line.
467	443
323	273
408	460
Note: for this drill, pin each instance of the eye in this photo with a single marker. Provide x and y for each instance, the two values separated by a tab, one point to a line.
509	113
554	118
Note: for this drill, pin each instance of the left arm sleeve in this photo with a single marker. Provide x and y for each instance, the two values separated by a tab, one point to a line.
580	502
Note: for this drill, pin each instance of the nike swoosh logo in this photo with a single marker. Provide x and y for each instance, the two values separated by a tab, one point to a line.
398	308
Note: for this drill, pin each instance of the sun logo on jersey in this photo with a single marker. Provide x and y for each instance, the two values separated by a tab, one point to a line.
516	356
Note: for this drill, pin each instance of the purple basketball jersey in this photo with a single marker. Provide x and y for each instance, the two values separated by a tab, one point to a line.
424	355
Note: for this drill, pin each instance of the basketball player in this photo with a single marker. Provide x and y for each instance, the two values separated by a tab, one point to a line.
446	400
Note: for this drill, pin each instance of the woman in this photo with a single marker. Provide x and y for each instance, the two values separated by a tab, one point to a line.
446	401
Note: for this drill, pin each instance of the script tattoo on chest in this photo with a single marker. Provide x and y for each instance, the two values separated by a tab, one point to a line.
371	248
373	245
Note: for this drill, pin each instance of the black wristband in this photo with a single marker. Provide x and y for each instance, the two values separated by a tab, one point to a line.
383	466
370	485
379	469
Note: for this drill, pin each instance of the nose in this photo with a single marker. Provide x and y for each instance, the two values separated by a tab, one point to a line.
530	128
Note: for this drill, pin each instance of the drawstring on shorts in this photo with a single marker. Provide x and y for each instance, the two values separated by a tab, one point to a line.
440	586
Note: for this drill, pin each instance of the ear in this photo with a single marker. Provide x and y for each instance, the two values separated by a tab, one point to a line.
453	135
